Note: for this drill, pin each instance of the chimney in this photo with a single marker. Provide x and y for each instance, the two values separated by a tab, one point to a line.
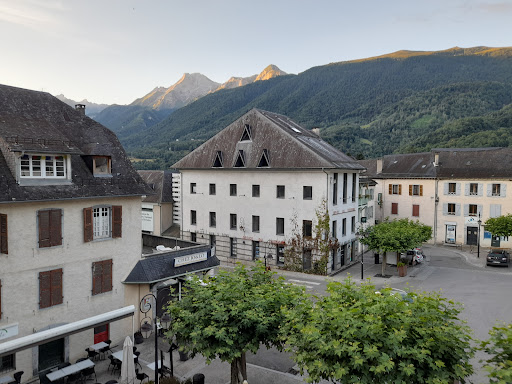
316	131
379	166
80	108
436	159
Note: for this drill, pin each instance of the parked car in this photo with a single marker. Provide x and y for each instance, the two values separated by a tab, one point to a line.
498	257
413	256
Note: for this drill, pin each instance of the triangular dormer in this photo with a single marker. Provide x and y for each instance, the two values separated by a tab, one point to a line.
218	160
246	135
240	160
264	160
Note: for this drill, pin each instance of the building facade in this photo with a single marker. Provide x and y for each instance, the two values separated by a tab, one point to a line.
259	183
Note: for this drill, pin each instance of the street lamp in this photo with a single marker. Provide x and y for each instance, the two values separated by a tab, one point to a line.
145	306
267	256
478	238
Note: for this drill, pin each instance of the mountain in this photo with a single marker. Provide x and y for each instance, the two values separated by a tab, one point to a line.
268	73
91	109
366	107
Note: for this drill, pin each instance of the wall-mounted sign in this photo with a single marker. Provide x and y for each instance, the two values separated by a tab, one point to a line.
147	219
7	331
190	259
471	220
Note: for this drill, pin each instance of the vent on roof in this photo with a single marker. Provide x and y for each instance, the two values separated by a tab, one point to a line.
218	160
246	136
240	160
295	129
264	160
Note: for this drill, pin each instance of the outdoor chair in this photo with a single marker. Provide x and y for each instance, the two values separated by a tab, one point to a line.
141	376
17	376
117	365
81	359
164	371
43	379
106	349
88	372
75	377
111	382
91	354
136	359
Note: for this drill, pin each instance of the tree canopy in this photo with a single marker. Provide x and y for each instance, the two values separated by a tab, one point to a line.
499	226
499	347
358	335
234	312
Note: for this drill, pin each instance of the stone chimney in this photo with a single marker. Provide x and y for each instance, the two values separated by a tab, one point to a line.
379	165
316	131
80	108
436	159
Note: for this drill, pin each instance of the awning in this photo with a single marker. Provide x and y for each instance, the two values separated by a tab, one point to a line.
59	332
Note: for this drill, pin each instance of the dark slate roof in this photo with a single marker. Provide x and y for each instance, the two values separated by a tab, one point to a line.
289	146
38	122
160	267
161	184
478	163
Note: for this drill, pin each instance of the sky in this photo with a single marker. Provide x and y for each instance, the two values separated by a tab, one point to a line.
115	51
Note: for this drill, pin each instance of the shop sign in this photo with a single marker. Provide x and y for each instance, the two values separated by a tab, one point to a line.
7	331
190	259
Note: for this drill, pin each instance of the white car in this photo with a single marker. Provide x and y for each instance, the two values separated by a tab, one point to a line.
414	256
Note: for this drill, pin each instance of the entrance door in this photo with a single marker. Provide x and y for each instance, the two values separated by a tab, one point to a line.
342	254
51	354
472	236
306	259
101	333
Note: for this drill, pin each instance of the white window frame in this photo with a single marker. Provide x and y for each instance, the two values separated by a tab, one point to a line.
101	222
496	189
27	161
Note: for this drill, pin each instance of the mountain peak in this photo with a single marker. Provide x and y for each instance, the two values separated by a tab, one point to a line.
270	72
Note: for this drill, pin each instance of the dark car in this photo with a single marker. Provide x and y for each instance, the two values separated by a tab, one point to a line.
498	257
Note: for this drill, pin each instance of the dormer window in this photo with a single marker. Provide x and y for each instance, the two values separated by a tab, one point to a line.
217	163
246	135
43	166
264	159
240	160
102	165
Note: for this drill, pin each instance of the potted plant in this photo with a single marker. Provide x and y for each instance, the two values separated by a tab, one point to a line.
402	267
137	337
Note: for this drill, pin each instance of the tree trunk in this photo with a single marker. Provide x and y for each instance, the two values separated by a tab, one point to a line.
239	370
384	261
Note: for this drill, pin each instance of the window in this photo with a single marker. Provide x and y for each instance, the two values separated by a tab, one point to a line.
232	247
345	181
255	190
394	208
7	363
255	250
451	209
246	135
50	288
193	187
354	187
213	219
307	192
334	229
264	159
42	166
232	189
101	277
193	236
103	222
353	224
50	227
335	189
101	165
280	254
344	227
473	189
232	221
193	217
452	188
3	235
307	228
213	240
279	226
240	160
280	192
415	210
415	190
496	189
255	223
473	210
217	163
212	189
395	189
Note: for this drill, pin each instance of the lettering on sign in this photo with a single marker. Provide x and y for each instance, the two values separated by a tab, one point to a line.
8	331
190	259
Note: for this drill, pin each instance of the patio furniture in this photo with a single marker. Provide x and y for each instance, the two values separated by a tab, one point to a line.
74	377
91	354
69	371
141	376
17	376
88	372
6	379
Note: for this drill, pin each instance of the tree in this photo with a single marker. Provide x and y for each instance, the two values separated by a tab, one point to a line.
358	335
395	236
234	312
499	226
499	346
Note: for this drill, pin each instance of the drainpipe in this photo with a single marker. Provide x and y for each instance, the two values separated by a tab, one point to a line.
436	204
327	207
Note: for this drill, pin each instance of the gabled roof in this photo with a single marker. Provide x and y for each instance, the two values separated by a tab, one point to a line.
161	184
285	144
37	122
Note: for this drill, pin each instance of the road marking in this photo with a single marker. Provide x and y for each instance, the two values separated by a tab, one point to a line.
304	282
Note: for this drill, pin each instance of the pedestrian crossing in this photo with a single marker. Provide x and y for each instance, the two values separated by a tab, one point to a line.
304	283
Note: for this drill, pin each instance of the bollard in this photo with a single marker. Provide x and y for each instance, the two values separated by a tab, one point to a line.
198	378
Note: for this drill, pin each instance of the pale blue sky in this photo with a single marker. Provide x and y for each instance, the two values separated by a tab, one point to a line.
114	51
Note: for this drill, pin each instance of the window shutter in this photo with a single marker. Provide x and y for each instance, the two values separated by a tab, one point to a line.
410	190
97	270
107	275
399	189
415	210
44	228
445	188
503	190
489	190
390	189
445	209
56	286
117	221
394	208
3	234
498	210
88	230
55	230
421	190
457	209
466	209
45	289
457	189
466	189
480	189
480	209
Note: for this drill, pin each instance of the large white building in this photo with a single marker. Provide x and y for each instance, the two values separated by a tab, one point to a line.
257	184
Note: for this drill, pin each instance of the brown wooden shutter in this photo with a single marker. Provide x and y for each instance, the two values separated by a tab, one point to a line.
415	210
97	272
117	221
399	189
45	280
56	277
394	208
88	230
55	230
410	190
44	228
390	189
0	299
421	190
3	234
107	276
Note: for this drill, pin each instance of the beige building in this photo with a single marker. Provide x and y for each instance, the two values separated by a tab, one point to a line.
70	208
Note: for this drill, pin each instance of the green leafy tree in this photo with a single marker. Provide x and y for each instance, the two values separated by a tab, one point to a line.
358	335
499	226
499	347
395	236
234	312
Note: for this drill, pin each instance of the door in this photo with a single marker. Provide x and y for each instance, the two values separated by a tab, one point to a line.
306	260
101	333
50	354
495	241
342	254
472	235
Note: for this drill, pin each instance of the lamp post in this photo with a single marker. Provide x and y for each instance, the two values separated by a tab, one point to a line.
478	238
145	306
267	256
